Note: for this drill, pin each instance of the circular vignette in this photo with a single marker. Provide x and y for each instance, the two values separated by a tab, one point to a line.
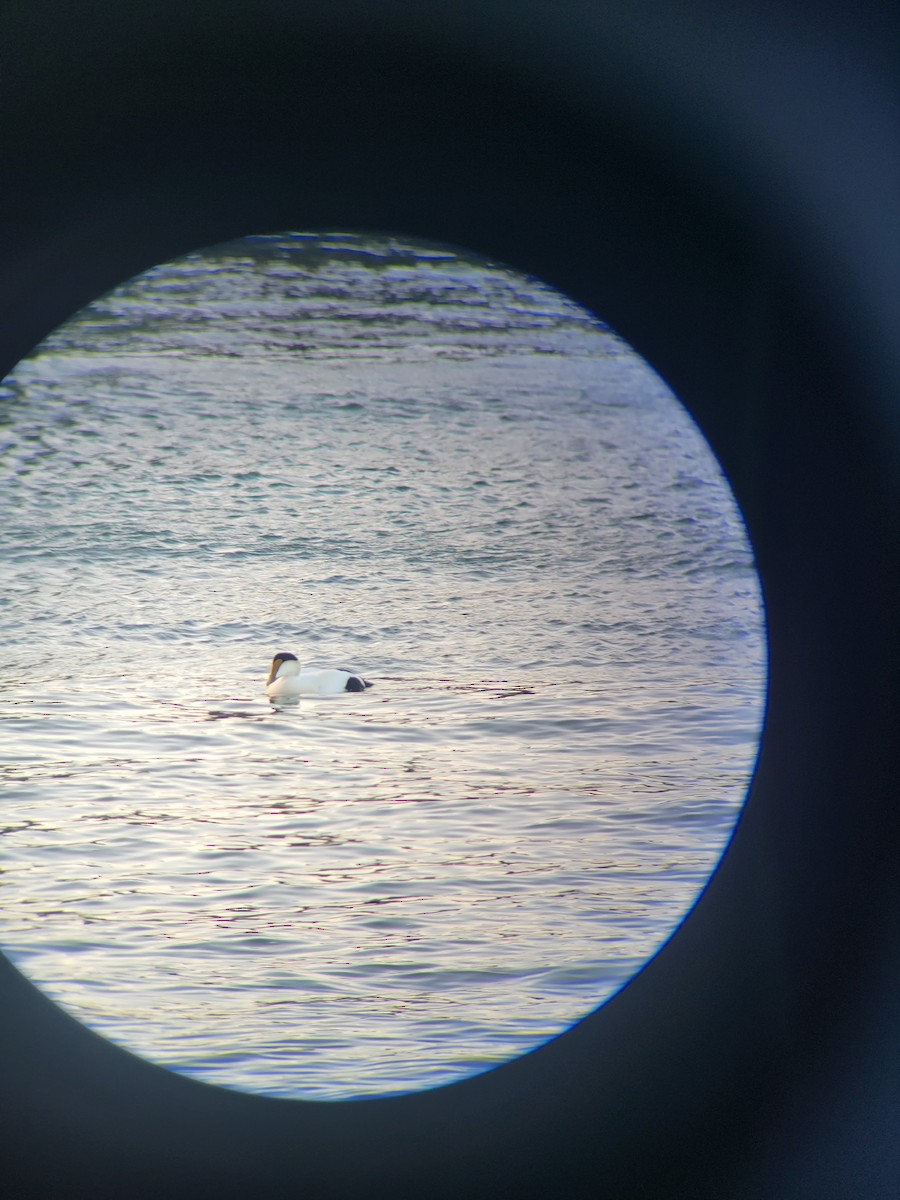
733	327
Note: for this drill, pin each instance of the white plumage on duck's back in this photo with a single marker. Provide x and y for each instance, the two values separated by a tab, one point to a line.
287	679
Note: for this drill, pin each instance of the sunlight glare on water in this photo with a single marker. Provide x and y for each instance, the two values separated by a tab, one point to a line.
412	463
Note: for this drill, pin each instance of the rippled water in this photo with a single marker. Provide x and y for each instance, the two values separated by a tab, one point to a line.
431	470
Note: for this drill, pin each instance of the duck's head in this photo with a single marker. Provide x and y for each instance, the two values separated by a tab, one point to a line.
278	662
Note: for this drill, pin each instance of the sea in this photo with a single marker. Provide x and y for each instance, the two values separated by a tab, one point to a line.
411	462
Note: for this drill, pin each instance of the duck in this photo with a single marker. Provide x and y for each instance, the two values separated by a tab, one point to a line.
287	679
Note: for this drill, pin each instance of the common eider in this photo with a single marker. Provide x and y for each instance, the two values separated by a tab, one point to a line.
287	678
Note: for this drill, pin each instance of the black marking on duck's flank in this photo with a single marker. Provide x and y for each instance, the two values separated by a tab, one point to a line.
356	684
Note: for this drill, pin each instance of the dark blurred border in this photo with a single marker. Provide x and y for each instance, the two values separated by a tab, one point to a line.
721	183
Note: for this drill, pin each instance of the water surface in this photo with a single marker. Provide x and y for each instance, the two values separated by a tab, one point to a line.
431	470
